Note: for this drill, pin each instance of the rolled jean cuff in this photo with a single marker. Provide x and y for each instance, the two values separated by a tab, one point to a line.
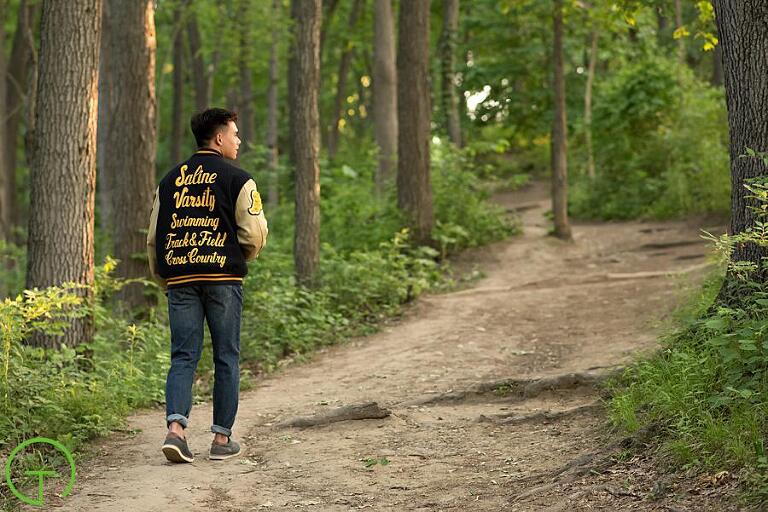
179	418
221	430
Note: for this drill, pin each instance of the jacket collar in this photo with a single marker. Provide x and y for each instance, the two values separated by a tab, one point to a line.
208	151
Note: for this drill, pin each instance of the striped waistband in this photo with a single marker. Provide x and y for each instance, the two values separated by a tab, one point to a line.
208	278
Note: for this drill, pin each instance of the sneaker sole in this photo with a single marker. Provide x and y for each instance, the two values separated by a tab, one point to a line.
224	457
173	454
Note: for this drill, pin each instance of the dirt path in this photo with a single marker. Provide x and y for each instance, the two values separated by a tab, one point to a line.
545	309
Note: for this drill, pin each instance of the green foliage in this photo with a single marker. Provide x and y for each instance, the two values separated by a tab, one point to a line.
660	139
708	387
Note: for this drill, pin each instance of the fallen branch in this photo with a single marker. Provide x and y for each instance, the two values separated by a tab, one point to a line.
364	411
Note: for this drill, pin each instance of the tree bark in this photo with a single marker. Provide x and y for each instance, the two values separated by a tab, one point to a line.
272	112
559	133
303	84
199	75
717	66
743	29
384	93
594	36
104	180
17	92
60	246
450	101
414	192
177	107
131	136
341	86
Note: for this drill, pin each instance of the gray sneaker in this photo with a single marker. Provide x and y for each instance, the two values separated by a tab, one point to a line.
175	449
224	451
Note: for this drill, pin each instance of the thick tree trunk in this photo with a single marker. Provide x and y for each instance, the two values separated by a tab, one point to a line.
303	84
63	178
743	29
131	137
384	92
17	92
246	121
450	101
177	107
559	133
199	75
594	36
272	112
414	192
341	86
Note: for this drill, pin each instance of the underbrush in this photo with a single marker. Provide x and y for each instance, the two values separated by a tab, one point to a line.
660	146
707	388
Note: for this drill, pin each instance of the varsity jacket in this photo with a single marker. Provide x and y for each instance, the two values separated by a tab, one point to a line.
206	222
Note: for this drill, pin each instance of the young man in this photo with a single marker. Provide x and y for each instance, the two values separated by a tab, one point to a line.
206	223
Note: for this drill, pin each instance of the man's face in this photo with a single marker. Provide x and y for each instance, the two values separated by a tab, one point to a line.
227	141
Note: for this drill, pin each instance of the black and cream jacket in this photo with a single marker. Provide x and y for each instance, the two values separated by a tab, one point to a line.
206	223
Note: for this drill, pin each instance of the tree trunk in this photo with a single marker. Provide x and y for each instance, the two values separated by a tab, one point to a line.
199	75
414	193
245	114
681	41
17	92
743	29
559	133
384	92
341	86
450	101
7	183
717	66
272	112
594	36
329	7
104	181
131	136
177	108
63	181
303	84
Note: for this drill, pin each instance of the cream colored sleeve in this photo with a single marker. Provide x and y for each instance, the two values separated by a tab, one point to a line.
151	240
251	223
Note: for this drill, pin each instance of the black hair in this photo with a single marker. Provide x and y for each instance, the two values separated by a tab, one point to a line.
206	124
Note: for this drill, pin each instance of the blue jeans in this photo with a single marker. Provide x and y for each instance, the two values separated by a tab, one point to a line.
221	305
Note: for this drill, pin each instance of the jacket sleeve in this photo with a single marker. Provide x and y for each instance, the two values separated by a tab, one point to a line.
251	223
151	241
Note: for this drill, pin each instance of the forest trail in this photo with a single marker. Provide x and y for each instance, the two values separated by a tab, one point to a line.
459	436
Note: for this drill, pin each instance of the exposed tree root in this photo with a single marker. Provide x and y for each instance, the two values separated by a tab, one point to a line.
363	411
598	460
668	245
660	273
566	504
541	416
520	389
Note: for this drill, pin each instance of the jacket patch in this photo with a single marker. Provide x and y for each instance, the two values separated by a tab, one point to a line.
255	208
